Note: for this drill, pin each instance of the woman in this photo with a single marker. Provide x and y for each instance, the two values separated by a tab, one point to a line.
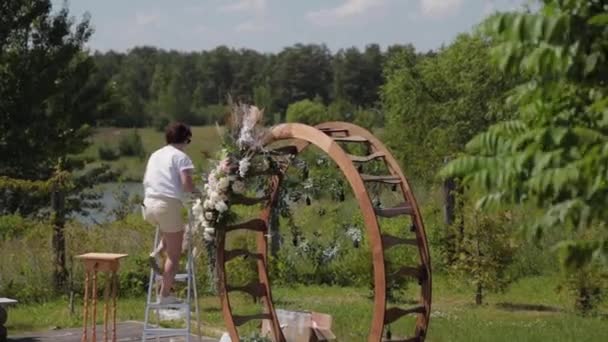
168	176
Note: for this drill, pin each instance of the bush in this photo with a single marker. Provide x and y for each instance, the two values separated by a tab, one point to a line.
107	153
160	123
306	112
131	145
587	286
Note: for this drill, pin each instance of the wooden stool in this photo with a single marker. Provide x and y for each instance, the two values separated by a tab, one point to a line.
93	263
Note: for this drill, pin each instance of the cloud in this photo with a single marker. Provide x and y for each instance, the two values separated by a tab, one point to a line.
146	19
245	6
347	10
440	8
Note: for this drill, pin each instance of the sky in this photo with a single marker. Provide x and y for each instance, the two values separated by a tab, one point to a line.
270	25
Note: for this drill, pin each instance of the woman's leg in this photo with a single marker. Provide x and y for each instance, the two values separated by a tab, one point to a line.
173	247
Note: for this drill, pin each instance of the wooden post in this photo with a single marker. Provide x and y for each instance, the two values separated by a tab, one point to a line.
109	264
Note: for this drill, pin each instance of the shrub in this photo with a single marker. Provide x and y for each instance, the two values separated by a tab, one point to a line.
107	153
160	123
307	112
131	145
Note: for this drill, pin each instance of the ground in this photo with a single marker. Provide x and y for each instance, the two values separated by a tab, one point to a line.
530	310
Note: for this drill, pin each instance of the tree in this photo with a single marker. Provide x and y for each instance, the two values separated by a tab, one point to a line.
437	103
554	154
307	112
44	95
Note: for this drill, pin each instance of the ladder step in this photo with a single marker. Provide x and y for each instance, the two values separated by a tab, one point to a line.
401	209
165	331
235	253
365	159
240	320
244	200
256	290
390	179
168	306
408	271
334	130
257	225
390	241
394	314
351	138
178	277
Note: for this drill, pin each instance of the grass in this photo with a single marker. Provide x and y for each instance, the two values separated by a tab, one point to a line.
205	141
506	317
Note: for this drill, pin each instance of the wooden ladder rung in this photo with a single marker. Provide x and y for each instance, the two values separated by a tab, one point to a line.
235	253
408	271
256	290
351	138
401	209
389	179
334	130
389	241
365	159
240	320
394	314
257	225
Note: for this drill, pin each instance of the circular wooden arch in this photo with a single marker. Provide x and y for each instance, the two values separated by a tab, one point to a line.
328	137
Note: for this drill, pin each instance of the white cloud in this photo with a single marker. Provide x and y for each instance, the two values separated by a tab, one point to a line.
245	6
348	9
145	19
440	8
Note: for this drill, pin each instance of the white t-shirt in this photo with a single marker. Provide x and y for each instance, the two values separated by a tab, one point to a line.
162	177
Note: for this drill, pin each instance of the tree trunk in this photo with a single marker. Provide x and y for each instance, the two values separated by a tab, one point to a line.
479	294
60	273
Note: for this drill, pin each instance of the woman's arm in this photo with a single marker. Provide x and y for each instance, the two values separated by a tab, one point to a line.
187	183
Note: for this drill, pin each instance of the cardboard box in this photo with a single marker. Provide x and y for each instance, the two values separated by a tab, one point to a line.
303	326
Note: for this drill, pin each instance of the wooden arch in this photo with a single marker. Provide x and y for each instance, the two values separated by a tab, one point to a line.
328	137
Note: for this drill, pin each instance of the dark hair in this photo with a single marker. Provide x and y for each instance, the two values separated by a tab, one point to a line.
177	133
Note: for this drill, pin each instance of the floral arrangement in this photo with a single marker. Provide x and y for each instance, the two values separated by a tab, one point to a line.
245	140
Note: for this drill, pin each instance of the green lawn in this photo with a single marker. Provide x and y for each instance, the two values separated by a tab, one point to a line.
529	311
205	141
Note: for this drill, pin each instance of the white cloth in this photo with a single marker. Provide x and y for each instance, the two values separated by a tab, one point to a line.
162	177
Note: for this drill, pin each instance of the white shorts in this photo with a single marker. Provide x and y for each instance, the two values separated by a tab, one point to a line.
165	212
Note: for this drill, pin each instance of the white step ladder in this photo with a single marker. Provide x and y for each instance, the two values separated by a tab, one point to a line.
155	330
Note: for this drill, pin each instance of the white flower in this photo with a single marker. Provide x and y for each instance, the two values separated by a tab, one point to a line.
223	183
209	215
214	197
244	166
238	187
208	204
209	234
221	206
197	208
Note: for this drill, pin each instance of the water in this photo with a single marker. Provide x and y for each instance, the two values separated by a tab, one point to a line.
109	201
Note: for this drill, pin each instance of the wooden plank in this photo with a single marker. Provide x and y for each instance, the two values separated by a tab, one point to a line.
388	179
254	225
351	138
254	289
394	314
243	200
409	339
389	241
408	271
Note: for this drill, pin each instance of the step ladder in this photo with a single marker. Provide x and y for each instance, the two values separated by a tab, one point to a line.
189	278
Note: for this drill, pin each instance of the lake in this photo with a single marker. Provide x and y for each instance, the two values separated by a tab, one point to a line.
109	200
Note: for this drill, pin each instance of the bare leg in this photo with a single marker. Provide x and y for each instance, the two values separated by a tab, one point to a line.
173	248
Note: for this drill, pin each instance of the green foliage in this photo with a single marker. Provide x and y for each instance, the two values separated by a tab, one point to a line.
130	145
108	153
588	287
436	103
368	118
554	153
484	249
307	112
